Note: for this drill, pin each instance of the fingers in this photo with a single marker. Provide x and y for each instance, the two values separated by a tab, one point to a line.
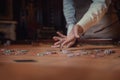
60	39
66	42
70	37
71	44
56	38
58	42
61	35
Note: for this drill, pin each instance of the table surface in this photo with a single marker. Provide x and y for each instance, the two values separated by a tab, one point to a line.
59	66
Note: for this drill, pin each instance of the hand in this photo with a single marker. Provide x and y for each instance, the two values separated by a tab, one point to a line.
75	33
70	39
60	39
78	31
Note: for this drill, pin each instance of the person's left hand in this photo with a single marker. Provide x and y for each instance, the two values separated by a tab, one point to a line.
59	39
63	40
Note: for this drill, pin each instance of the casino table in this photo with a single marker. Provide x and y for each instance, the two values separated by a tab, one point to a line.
28	65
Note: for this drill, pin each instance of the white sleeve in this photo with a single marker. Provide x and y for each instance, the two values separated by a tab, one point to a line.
94	14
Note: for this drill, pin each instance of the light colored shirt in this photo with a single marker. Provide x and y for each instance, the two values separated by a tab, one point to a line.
94	14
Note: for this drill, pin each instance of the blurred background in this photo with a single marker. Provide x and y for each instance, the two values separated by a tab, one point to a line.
40	19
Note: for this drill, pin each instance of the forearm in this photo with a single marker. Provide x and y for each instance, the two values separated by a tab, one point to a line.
69	13
94	14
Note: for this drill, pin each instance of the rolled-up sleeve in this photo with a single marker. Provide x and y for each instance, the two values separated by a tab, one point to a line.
69	13
94	14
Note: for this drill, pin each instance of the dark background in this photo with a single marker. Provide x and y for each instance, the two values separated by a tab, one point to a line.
38	19
3	7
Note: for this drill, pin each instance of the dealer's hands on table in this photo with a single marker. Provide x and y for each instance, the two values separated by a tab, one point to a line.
70	39
63	40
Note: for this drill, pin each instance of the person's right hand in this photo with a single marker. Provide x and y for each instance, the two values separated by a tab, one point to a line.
78	31
71	38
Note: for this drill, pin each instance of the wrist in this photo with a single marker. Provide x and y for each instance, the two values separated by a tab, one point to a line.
69	28
80	28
